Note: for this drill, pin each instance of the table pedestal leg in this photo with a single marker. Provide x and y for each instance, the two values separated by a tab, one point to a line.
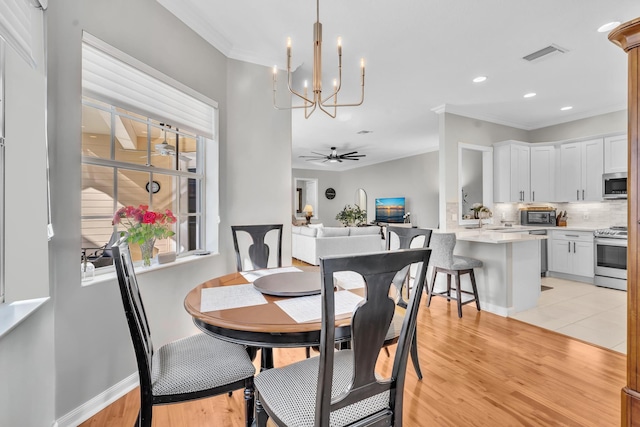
266	358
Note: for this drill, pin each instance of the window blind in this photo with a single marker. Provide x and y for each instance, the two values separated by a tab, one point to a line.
113	77
16	21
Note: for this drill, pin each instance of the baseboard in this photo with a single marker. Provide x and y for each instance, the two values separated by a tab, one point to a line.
98	403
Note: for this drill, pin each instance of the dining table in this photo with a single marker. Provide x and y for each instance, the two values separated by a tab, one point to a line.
272	308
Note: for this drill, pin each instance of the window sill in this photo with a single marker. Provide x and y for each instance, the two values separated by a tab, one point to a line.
12	314
139	269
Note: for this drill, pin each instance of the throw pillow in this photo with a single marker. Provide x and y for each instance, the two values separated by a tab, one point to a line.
306	231
315	225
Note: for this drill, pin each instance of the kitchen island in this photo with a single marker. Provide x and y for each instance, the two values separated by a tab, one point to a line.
509	281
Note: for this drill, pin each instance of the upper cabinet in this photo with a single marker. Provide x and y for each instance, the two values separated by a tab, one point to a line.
511	180
524	172
615	154
543	173
581	168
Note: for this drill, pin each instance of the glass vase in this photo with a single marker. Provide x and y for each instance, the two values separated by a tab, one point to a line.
146	249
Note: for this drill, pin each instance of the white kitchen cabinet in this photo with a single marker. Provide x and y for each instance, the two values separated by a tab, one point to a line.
511	172
571	252
615	154
543	161
581	168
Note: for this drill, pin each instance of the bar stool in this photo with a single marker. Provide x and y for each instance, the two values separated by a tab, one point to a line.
443	261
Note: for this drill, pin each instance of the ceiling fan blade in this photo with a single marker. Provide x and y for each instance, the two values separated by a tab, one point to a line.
348	154
319	154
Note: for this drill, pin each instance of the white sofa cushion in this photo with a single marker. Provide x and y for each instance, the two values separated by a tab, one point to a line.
363	231
306	231
316	225
333	232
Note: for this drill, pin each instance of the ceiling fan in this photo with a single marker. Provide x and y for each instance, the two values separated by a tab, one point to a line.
165	149
334	157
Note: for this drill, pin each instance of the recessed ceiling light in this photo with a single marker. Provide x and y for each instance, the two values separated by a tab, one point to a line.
480	79
608	27
568	107
529	95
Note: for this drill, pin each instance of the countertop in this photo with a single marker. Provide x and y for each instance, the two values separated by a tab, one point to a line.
497	237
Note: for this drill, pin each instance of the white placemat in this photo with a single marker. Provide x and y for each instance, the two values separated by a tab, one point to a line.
348	280
307	309
226	297
251	276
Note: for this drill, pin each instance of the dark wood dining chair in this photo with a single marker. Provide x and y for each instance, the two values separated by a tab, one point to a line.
257	254
191	368
341	388
406	237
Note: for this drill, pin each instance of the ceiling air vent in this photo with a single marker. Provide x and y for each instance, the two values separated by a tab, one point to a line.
545	52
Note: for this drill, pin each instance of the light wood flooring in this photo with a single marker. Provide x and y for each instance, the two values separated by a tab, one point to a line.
481	370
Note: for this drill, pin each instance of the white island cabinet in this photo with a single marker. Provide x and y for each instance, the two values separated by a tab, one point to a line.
509	281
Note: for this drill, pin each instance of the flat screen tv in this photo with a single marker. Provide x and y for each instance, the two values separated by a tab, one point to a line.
390	209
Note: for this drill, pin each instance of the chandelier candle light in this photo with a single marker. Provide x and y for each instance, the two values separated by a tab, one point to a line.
331	101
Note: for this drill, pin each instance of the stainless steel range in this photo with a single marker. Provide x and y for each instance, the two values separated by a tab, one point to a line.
611	257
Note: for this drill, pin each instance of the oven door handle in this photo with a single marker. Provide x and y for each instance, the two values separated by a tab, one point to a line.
611	242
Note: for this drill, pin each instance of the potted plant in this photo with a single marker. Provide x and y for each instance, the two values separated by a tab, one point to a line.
352	216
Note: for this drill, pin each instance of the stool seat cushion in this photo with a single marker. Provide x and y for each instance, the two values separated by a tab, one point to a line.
464	263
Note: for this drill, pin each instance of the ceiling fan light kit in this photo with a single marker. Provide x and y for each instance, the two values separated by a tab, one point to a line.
316	101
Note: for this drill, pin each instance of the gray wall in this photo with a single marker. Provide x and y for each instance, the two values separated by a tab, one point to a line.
454	129
415	178
598	125
92	346
27	370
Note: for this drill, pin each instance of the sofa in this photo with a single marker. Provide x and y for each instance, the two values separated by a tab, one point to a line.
309	243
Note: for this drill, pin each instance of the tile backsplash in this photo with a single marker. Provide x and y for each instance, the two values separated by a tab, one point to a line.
587	214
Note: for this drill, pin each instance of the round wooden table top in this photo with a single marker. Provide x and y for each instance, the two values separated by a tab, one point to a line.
264	325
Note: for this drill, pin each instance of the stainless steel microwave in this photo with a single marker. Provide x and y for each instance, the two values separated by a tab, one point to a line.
544	217
614	185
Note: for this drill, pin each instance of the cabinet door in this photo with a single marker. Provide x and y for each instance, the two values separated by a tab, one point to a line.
560	256
615	154
501	173
583	254
543	174
520	177
570	172
591	170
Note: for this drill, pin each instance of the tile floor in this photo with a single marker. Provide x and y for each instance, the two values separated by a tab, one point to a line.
587	312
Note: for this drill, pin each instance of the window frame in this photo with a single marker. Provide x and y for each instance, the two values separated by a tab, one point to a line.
200	177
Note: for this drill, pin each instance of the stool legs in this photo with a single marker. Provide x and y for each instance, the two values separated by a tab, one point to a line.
458	288
472	276
458	292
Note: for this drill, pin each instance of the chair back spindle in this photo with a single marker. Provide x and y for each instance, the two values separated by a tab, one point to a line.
258	251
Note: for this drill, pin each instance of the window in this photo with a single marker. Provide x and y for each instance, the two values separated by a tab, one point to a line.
146	140
129	159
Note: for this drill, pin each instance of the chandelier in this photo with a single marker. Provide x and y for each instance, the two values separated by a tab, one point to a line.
316	101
